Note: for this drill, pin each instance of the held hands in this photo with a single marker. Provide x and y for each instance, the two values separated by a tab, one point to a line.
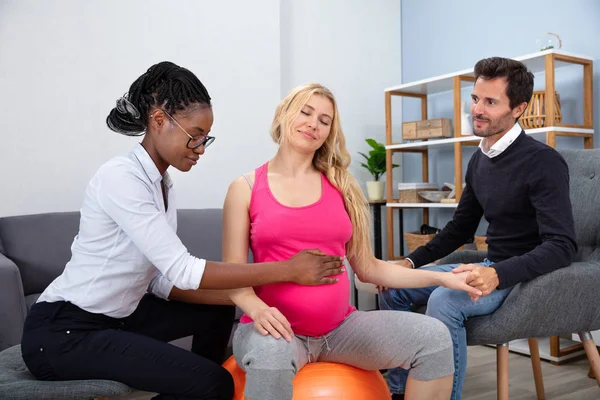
459	281
269	321
483	278
313	267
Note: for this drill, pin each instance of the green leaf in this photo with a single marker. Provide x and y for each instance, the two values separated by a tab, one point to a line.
372	143
376	160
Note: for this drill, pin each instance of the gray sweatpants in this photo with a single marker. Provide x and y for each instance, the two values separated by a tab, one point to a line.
370	340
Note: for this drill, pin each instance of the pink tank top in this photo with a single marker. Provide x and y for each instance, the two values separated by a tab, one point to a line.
277	232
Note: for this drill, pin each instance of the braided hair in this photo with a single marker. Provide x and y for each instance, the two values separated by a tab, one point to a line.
166	85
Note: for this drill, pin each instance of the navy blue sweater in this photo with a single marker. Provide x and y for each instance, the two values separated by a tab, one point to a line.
524	195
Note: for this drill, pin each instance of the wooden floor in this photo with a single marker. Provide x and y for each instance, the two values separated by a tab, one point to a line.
565	382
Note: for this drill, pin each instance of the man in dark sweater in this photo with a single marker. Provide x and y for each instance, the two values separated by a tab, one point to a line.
521	186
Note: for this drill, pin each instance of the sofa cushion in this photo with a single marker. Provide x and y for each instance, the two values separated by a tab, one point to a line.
201	232
30	300
17	383
40	245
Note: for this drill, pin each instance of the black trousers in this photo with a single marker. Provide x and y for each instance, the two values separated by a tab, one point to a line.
63	342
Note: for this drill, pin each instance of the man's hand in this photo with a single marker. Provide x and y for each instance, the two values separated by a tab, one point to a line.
482	278
313	267
403	263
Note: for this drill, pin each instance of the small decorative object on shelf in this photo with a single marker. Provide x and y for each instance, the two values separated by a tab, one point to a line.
535	113
427	129
549	41
434	196
452	188
465	124
376	167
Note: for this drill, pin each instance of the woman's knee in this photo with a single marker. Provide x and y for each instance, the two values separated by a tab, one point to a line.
438	336
434	358
270	366
266	352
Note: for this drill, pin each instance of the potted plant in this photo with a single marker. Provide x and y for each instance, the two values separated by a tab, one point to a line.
375	164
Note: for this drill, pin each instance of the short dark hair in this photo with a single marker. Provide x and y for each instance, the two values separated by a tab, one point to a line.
519	79
165	85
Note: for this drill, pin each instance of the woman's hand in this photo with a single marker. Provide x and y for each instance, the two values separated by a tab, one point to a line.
458	281
270	321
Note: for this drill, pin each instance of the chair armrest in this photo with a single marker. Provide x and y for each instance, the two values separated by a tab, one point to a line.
463	257
562	302
13	309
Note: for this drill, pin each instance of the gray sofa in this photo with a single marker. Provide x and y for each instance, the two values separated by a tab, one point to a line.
35	248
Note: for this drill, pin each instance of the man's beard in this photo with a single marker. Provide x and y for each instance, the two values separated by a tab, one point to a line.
494	127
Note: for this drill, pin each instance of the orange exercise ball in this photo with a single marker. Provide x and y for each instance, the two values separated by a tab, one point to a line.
324	381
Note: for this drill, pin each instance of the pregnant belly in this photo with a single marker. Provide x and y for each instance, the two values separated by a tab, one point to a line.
311	310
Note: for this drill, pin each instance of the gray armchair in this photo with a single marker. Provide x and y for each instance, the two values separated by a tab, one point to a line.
563	302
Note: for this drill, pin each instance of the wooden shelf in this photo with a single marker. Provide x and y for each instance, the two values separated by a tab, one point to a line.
425	144
535	62
421	205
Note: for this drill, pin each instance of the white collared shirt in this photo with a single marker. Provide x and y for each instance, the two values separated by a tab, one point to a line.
127	242
502	144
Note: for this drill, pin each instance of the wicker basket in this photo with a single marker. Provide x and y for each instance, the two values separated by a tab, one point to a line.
409	192
480	243
535	113
415	240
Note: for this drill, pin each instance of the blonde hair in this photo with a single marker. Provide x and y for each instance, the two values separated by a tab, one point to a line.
332	159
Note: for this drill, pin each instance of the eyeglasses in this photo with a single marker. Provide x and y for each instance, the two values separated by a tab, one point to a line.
194	141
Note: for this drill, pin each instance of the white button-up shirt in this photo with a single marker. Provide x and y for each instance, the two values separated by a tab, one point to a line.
127	242
502	144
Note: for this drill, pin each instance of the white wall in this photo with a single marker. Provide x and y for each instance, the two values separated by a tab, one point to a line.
353	48
63	63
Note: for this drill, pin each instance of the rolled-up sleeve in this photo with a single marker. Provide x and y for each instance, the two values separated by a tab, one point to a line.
160	287
128	200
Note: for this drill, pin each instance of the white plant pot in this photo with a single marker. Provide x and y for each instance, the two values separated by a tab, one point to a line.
375	190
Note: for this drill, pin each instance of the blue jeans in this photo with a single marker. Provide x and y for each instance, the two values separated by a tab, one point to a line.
453	308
